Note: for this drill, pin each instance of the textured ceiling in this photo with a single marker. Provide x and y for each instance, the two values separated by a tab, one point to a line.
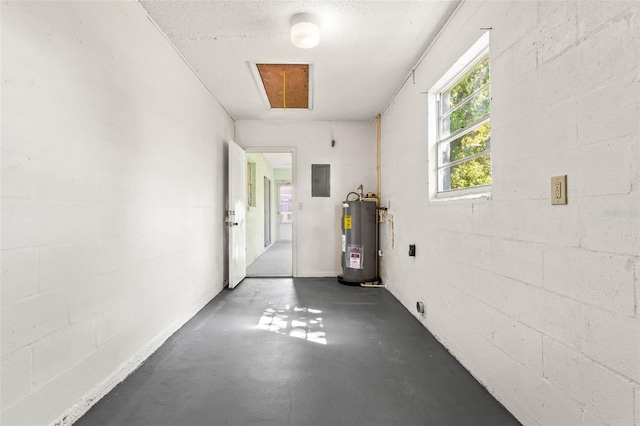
366	50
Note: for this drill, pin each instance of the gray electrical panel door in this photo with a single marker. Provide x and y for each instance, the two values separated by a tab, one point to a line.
320	180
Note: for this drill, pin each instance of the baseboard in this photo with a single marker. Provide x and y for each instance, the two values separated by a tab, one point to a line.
332	274
77	410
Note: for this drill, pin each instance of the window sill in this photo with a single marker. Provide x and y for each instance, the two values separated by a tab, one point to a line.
475	194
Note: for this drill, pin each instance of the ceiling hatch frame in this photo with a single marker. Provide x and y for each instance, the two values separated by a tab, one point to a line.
263	92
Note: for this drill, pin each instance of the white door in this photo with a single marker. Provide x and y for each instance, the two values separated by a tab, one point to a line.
236	214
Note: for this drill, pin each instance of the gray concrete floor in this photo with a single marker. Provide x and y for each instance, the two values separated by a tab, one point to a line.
276	261
300	352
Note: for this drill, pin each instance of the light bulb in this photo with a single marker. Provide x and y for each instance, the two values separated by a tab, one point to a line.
304	33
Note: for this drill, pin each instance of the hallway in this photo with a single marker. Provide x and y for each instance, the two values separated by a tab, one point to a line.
300	352
276	261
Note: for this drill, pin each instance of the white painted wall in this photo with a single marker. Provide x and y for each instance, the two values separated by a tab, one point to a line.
353	162
255	215
112	200
282	175
539	302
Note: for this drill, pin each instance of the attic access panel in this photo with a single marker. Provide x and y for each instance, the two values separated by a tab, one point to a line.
285	86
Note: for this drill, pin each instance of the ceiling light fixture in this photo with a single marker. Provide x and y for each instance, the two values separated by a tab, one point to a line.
305	33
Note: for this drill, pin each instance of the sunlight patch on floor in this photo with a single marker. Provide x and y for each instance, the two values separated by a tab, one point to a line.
299	322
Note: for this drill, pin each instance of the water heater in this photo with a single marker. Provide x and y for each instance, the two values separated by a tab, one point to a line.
359	240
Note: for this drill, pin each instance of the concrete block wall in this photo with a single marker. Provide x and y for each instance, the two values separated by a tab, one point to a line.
113	157
539	302
317	236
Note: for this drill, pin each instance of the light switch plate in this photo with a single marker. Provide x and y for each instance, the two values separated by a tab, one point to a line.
559	190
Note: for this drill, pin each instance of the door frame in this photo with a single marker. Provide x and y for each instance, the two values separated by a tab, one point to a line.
294	214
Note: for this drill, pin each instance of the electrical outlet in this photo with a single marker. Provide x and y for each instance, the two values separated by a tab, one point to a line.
559	190
412	250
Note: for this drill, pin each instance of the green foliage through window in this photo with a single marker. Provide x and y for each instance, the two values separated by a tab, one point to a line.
476	78
464	156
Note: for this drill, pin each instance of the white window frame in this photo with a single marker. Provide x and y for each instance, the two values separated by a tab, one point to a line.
467	61
251	184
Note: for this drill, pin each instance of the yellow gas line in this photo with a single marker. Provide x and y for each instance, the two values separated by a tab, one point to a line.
284	89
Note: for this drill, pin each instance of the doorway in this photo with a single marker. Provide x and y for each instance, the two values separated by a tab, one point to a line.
269	237
267	211
285	210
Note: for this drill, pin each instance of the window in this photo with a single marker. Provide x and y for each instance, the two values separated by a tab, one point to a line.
463	141
251	186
